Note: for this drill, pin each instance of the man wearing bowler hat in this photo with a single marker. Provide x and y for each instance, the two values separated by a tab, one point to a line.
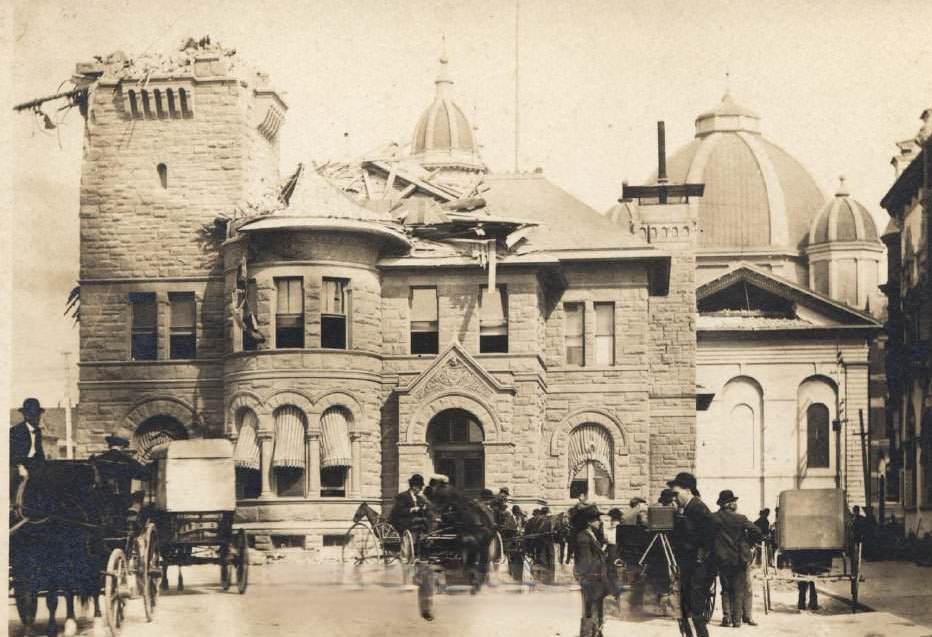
26	438
410	510
734	534
591	570
693	549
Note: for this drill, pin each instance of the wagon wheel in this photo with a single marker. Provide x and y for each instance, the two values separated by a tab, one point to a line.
27	604
496	549
241	560
116	587
390	540
710	603
361	544
151	570
855	576
407	553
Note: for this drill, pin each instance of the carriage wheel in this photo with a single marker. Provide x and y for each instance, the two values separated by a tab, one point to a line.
241	560
496	549
27	603
710	603
391	541
151	570
406	554
361	544
116	586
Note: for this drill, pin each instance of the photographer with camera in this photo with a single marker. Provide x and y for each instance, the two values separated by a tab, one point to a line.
693	548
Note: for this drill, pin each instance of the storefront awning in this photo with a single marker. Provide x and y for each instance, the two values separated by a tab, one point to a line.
335	449
589	443
289	438
246	453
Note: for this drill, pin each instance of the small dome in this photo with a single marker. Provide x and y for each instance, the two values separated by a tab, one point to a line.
443	135
843	219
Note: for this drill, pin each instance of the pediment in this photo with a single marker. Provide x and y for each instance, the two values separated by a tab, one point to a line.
761	300
455	369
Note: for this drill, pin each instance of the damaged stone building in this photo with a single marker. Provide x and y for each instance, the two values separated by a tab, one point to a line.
349	324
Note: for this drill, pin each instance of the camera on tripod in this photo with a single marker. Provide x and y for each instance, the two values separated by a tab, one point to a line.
660	518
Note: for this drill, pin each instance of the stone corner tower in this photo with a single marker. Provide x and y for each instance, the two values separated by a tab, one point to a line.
174	144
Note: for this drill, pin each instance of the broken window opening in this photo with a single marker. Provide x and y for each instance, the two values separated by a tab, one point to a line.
146	106
163	175
183	100
159	107
172	110
133	105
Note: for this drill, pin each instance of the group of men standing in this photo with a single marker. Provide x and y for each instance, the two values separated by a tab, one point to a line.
706	545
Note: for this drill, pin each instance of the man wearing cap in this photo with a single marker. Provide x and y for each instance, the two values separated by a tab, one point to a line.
693	554
410	510
26	438
590	569
734	534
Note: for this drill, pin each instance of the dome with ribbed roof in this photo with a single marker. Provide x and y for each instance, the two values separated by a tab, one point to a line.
757	196
843	219
443	135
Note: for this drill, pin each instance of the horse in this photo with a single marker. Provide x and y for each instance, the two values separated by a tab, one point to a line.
367	512
57	540
474	528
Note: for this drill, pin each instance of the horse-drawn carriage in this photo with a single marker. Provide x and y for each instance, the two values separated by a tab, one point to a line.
191	502
373	538
815	542
74	531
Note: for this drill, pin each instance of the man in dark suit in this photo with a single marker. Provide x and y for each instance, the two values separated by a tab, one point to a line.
734	534
693	554
410	510
26	438
591	570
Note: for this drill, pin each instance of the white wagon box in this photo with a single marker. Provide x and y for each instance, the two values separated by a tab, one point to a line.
195	476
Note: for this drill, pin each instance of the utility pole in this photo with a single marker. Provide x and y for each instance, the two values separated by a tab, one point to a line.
69	445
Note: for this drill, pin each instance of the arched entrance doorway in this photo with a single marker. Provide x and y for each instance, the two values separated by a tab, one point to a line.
156	432
454	437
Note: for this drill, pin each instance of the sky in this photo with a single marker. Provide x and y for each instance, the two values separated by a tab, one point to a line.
836	83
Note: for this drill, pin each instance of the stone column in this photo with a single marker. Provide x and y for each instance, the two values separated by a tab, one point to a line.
265	464
355	477
312	473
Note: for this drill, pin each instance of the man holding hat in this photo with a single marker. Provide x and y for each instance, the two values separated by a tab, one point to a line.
591	570
26	438
410	510
693	549
734	534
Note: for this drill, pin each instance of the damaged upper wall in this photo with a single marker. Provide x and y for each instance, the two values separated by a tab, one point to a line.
172	142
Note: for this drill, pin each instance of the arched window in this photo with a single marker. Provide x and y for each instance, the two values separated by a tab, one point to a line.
246	456
288	454
154	433
336	452
455	438
818	451
590	461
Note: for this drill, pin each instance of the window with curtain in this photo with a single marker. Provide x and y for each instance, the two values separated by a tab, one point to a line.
604	333
182	340
575	333
818	432
246	455
336	452
425	325
144	333
289	312
589	457
288	452
493	320
334	304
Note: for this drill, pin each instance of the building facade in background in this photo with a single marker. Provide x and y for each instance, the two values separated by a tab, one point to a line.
909	329
787	315
411	311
